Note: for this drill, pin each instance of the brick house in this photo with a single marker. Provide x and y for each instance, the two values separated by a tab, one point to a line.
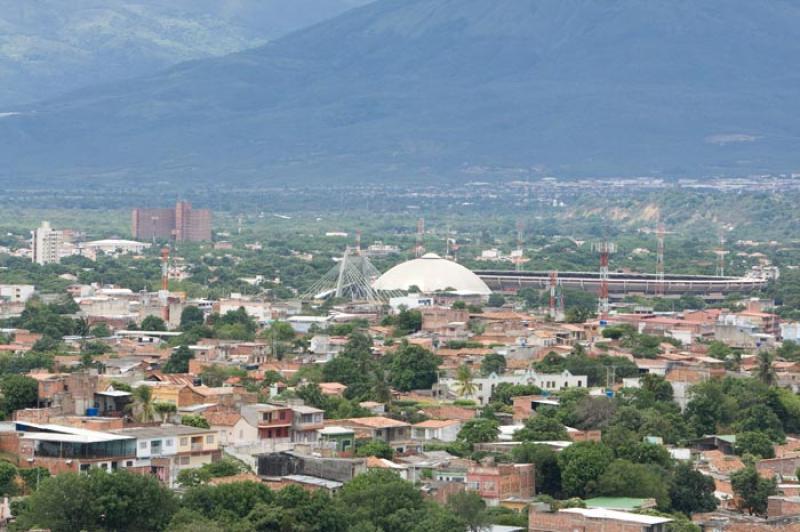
495	482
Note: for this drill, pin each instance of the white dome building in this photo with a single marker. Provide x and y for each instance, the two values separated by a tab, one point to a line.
431	273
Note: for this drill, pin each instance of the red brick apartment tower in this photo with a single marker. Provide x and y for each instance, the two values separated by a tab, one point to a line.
191	225
151	224
182	224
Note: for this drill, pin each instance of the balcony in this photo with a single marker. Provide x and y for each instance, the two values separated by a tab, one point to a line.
197	447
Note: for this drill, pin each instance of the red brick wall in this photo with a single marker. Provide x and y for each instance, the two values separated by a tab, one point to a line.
780	506
779	466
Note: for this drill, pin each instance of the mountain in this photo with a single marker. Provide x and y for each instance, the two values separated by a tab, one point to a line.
448	89
50	46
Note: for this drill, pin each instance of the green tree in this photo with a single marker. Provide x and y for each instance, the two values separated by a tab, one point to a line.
496	300
407	322
691	491
230	501
753	490
195	421
383	501
755	443
355	367
178	361
143	406
582	464
120	500
493	363
465	385
101	330
470	507
658	386
378	448
542	428
33	476
719	350
478	430
412	367
8	477
505	392
18	392
153	323
191	317
764	370
545	460
626	479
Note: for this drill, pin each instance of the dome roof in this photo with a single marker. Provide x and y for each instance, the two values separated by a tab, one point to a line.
431	273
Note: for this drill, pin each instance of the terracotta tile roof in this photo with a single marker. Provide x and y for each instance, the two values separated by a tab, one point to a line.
222	418
723	463
449	412
376	422
437	423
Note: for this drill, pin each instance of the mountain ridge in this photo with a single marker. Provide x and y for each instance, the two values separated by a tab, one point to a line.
450	89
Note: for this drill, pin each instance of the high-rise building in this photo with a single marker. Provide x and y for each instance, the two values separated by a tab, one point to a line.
46	244
181	224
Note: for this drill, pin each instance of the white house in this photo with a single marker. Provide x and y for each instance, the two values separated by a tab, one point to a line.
232	428
484	386
436	430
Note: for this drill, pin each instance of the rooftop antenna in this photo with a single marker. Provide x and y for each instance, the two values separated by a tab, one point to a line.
604	249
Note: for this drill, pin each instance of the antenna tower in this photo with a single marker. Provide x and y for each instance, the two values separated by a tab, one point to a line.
519	258
720	251
164	294
556	296
358	242
604	249
419	249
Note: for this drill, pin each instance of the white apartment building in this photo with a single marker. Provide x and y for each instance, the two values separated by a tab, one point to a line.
46	244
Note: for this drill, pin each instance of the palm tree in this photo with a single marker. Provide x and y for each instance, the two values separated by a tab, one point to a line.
143	407
764	371
464	377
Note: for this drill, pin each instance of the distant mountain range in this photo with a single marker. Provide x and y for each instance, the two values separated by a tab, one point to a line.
48	47
448	89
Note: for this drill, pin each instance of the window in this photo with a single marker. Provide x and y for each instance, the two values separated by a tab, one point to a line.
283	415
184	441
209	439
168	443
142	445
184	460
129	463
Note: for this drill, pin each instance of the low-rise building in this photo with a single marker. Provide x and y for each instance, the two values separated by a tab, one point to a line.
436	430
168	449
595	519
495	482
